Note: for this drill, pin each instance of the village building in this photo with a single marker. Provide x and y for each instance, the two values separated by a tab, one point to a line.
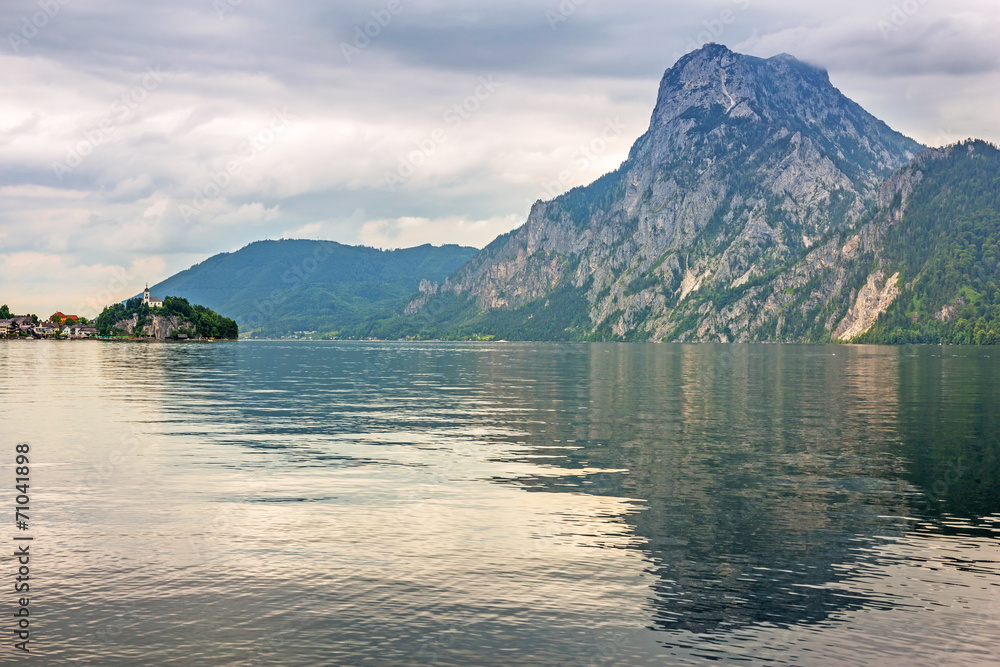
24	324
79	331
45	329
61	318
152	302
16	326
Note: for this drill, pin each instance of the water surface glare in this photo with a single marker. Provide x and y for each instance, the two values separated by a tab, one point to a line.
291	503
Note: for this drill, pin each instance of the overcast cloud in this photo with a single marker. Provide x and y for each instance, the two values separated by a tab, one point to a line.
138	138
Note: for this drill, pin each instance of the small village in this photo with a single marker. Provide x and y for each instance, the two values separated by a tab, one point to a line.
147	318
59	325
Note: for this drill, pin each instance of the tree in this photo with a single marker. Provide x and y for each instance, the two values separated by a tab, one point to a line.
4	312
197	321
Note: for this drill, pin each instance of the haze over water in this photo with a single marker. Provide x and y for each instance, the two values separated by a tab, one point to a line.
508	504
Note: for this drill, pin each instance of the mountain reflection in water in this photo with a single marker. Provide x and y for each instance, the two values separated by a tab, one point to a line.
768	476
508	504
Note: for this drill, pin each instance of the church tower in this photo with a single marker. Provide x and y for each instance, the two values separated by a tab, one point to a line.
145	295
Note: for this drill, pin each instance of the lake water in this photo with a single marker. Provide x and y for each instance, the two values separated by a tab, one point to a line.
260	503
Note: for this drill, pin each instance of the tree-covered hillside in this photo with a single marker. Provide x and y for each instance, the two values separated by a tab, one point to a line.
273	288
947	249
561	317
193	321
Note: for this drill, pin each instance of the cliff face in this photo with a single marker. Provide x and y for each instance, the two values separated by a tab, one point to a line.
836	290
748	165
157	326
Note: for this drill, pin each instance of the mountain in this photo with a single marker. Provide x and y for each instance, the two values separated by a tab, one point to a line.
273	288
747	167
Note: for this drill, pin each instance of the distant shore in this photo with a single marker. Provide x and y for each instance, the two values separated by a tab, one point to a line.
117	340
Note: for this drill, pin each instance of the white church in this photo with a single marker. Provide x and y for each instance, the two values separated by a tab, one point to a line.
152	302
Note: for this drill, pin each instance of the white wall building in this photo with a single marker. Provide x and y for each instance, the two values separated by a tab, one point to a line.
152	302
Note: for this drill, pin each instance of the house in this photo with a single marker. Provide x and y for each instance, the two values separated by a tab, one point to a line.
152	302
24	324
79	331
46	328
60	318
7	327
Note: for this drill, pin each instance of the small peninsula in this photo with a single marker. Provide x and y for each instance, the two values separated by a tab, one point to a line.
163	319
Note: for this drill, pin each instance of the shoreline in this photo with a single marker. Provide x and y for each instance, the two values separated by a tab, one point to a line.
614	342
120	340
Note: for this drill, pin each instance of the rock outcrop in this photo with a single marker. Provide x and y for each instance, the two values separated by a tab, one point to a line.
873	300
157	326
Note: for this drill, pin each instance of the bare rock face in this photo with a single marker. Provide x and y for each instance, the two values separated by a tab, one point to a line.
873	300
158	326
825	279
949	311
428	289
748	165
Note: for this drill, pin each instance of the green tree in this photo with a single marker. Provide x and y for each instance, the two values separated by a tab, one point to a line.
197	321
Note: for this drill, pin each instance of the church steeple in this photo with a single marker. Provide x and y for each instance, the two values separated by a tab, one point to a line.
145	295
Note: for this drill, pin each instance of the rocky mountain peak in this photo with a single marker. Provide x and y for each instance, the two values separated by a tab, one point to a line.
715	87
699	79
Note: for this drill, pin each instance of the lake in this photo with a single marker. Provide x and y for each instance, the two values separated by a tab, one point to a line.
303	503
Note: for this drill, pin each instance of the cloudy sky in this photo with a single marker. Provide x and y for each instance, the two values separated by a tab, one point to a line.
139	138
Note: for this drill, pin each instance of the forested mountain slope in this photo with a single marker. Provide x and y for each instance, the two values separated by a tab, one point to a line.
273	288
